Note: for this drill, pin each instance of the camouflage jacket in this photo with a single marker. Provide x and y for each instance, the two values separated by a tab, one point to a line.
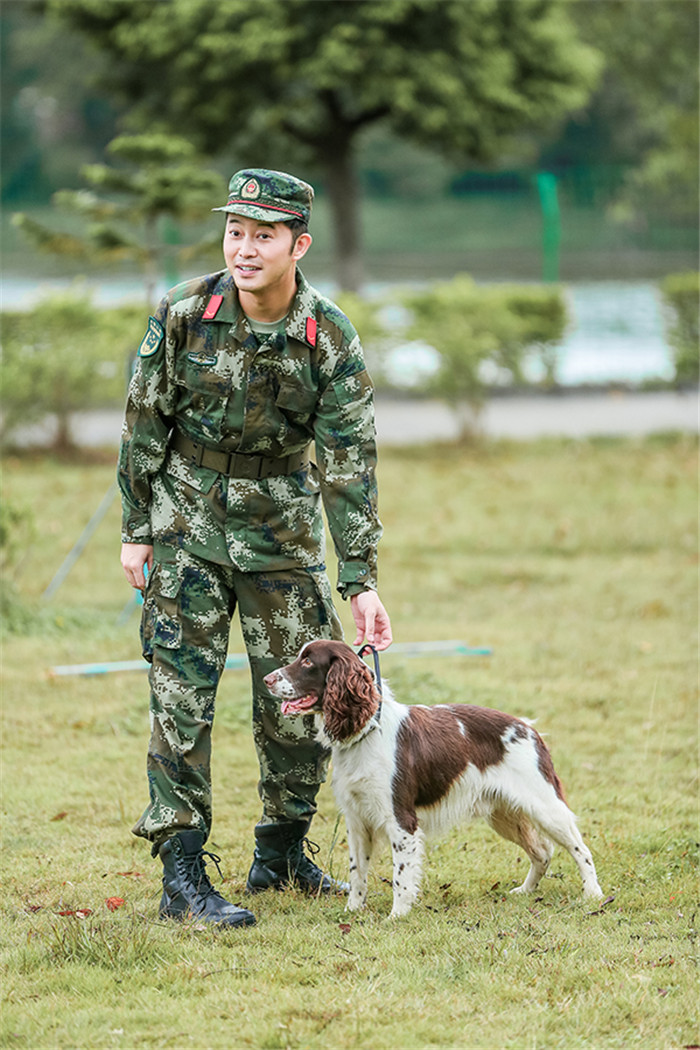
202	371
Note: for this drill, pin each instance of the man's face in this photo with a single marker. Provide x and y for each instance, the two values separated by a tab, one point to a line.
259	255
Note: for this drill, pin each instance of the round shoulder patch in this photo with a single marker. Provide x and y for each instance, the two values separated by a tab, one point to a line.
153	338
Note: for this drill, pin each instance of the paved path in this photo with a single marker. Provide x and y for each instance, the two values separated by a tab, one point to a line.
405	422
520	418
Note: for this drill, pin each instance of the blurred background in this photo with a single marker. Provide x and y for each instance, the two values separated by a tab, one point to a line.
507	190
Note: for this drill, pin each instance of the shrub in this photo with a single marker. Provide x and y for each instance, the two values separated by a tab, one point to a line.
62	356
681	295
484	334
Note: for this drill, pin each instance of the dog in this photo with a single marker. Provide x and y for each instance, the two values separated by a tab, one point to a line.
401	772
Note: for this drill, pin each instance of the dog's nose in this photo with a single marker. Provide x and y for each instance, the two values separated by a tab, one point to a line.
271	678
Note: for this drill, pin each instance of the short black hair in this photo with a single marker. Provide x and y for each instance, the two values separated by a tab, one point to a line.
297	226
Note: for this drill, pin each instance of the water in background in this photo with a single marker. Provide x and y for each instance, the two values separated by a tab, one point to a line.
616	332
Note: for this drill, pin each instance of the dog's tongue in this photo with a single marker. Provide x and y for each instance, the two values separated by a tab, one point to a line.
298	706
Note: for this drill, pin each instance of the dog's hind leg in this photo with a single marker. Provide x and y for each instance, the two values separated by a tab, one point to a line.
360	845
515	826
556	820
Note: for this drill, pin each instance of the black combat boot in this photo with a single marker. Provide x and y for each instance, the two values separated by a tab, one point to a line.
280	860
187	891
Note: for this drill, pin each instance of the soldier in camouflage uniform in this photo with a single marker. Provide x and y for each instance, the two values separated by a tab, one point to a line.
239	371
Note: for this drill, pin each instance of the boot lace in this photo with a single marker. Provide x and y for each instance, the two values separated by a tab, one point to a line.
196	870
300	864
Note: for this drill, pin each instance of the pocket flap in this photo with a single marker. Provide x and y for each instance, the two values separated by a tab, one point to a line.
166	581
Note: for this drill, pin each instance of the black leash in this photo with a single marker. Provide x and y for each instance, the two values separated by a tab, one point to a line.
377	673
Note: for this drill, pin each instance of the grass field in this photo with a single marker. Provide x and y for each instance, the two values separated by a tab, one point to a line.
577	562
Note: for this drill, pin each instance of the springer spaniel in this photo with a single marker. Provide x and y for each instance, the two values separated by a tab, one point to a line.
401	772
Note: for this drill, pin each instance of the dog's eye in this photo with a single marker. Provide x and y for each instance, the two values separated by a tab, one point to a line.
306	662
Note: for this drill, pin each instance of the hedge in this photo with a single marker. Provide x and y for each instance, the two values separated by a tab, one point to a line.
681	297
63	356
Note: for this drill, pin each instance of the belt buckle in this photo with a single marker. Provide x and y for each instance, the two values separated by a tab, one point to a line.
244	467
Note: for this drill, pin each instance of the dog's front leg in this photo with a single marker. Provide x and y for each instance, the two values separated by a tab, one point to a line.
360	849
407	855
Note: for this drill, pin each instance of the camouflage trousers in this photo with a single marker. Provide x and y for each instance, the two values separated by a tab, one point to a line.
188	606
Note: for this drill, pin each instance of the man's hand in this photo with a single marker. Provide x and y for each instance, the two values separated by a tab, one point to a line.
134	557
371	620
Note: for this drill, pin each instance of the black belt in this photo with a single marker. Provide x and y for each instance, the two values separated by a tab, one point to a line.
238	464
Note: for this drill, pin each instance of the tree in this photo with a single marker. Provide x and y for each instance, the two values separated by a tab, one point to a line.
648	101
156	176
303	80
52	123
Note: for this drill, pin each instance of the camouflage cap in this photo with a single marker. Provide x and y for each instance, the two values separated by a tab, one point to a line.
269	196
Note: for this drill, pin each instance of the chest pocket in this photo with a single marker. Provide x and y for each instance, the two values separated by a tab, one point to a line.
203	393
296	400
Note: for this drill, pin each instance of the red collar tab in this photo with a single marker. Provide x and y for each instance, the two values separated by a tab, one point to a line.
311	331
212	307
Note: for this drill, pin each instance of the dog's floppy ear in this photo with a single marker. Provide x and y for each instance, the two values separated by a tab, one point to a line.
350	697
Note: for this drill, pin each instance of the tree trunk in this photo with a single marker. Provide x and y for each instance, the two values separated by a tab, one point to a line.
344	193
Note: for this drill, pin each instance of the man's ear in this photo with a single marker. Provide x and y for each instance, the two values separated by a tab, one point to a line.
302	245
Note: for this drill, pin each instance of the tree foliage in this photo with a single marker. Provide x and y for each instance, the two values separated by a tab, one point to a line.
155	176
651	56
302	79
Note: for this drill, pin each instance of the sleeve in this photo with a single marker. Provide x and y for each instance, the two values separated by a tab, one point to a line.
147	423
346	452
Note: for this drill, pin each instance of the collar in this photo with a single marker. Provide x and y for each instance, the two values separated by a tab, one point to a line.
223	305
345	745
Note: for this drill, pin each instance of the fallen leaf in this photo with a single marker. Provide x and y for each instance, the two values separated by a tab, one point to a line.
33	907
60	816
131	874
114	902
82	912
345	927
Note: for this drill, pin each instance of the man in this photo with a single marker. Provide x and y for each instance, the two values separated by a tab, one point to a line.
237	373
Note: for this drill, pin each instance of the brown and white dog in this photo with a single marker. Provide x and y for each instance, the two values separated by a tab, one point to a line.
402	772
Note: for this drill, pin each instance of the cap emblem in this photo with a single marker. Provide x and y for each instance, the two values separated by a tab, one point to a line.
251	190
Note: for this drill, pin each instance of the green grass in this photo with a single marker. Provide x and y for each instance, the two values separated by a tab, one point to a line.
577	562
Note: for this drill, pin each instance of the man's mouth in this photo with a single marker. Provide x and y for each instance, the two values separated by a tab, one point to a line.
299	706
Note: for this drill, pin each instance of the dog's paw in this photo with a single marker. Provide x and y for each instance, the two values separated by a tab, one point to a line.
355	905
